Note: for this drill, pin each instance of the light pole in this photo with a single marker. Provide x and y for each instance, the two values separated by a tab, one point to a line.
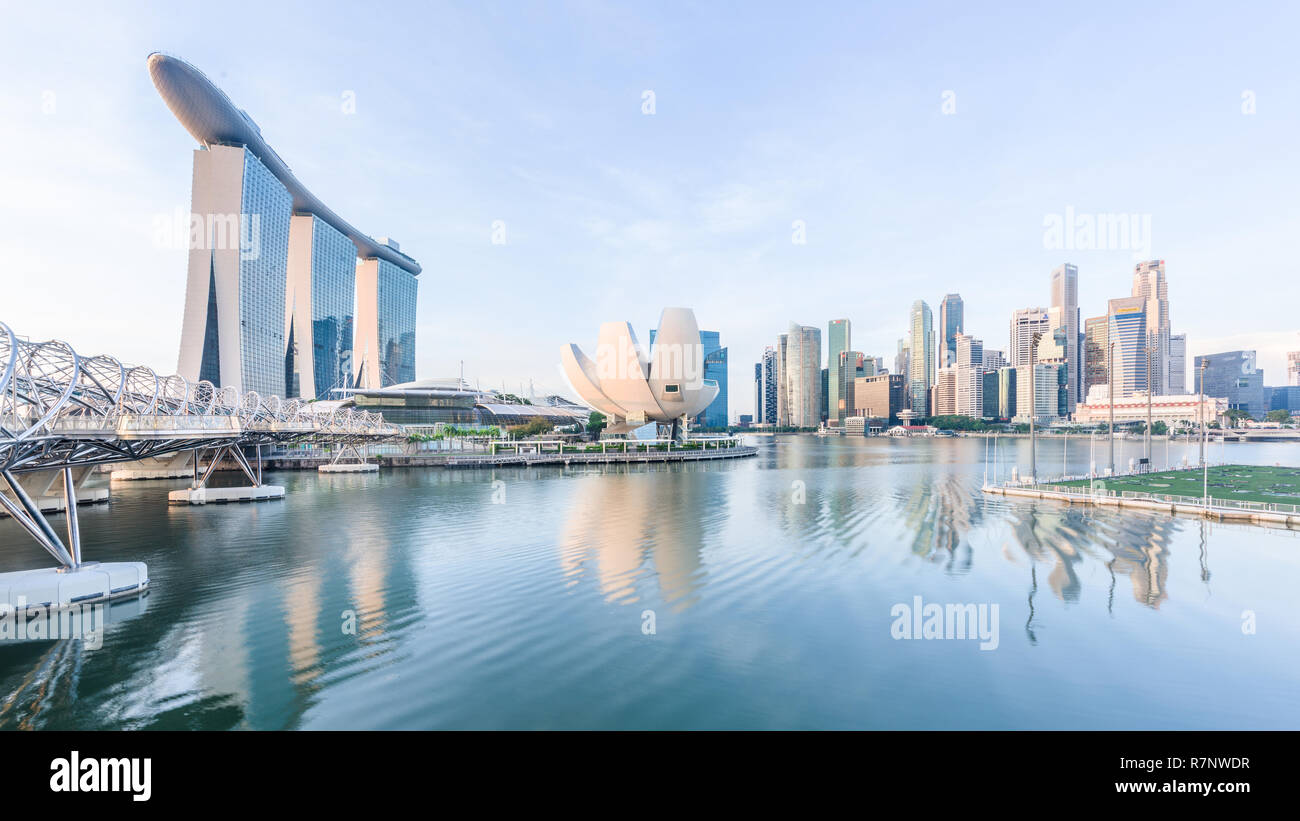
1205	465
1033	404
1110	379
1148	438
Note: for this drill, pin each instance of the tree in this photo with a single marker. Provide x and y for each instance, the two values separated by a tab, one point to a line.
1280	415
596	422
1234	416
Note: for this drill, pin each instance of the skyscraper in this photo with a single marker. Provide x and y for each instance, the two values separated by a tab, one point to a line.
1150	285
802	371
767	412
921	367
969	352
385	343
1293	368
782	381
951	323
839	338
1065	297
1177	365
716	414
1025	324
1126	336
1095	352
233	332
269	287
850	366
320	303
758	392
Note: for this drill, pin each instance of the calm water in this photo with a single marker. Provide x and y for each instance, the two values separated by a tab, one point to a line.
768	613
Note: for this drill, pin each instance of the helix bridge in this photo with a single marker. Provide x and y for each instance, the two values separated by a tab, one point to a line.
62	412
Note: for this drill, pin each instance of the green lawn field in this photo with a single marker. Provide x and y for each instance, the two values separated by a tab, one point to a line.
1245	483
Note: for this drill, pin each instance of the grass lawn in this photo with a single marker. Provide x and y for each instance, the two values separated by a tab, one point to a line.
1247	483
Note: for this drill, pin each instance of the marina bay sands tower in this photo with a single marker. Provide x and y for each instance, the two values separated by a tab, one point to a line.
283	296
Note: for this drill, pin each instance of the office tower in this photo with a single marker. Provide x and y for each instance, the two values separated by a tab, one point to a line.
970	391
1150	285
1095	352
322	277
1025	324
839	338
880	364
1048	382
951	323
823	412
247	293
944	395
1232	375
1177	385
1007	392
989	389
758	391
880	397
1065	297
767	413
849	366
921	365
803	375
715	415
1127	340
385	343
902	359
782	381
993	360
1293	368
969	352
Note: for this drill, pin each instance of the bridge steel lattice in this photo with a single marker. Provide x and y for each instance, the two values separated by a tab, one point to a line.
60	410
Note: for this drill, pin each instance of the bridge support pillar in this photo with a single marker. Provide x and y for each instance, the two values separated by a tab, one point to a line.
198	493
339	464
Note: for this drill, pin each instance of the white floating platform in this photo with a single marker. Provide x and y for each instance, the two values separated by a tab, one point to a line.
56	504
56	587
138	474
349	467
219	495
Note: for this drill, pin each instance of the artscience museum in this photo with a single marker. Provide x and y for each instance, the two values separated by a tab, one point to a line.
633	388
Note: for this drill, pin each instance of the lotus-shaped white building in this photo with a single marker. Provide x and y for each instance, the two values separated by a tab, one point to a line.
632	389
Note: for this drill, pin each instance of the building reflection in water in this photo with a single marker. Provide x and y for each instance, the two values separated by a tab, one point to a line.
623	516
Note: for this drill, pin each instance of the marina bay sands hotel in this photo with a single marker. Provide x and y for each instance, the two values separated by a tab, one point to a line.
283	295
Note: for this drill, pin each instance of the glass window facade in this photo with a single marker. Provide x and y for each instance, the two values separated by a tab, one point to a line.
263	264
396	320
333	292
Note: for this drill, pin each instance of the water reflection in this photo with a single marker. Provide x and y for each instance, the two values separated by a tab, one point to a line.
411	598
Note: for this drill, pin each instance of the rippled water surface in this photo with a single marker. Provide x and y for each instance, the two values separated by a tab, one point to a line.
519	598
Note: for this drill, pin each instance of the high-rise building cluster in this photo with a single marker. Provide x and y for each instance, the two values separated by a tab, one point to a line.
1057	365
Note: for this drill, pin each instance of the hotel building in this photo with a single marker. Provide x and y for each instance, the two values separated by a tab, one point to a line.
275	301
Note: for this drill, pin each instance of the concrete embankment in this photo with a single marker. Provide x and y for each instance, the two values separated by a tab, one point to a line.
1140	503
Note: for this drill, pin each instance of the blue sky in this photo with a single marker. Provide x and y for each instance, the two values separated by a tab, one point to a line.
531	114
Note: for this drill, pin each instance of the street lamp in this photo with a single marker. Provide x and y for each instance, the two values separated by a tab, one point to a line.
1205	465
1110	379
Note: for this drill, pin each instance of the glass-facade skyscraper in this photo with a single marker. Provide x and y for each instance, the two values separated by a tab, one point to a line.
272	270
233	331
952	321
1126	337
839	338
921	370
322	286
